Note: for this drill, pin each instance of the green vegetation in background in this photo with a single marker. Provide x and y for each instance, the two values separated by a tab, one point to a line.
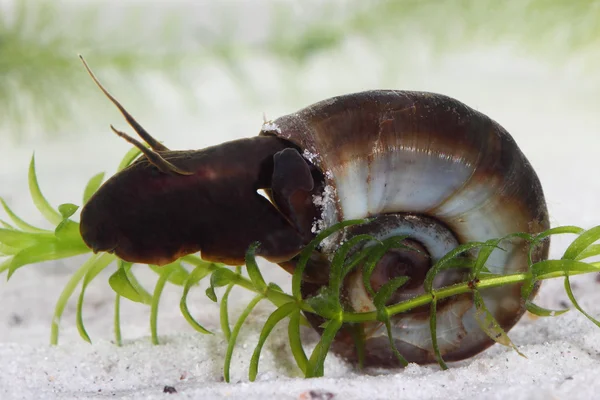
39	40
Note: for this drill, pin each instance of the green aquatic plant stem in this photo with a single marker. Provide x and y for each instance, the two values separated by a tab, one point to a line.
279	298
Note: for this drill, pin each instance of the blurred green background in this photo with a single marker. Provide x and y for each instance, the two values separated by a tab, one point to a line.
271	54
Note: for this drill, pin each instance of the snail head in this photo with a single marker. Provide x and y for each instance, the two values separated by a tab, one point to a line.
171	203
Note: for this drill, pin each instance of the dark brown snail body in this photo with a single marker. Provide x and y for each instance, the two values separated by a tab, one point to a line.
420	164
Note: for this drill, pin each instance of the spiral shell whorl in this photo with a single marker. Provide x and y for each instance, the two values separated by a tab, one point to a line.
386	152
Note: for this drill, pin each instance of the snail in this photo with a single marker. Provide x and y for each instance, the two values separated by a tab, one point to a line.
418	164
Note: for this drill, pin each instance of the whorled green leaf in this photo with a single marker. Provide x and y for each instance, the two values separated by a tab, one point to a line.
18	221
296	341
486	251
38	198
68	231
359	339
376	254
581	243
559	230
325	303
66	293
308	249
20	240
178	275
543	312
379	301
158	289
439	266
117	320
277	315
195	276
120	283
93	269
252	267
220	277
92	186
129	157
316	362
44	252
547	267
592	250
433	331
235	333
66	210
573	300
336	272
223	308
489	325
224	312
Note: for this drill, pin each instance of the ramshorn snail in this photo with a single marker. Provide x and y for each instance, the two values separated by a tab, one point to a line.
420	164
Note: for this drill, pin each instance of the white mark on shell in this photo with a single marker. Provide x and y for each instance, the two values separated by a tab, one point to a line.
271	126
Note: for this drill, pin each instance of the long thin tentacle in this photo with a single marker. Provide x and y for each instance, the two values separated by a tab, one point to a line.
154	158
155	144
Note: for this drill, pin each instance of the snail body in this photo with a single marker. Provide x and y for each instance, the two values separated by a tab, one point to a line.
419	164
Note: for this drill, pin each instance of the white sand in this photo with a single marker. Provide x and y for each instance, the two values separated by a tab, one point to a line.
551	112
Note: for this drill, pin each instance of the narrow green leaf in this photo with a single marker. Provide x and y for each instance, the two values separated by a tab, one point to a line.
433	330
543	312
44	252
306	253
120	283
542	268
273	319
145	296
235	332
117	321
92	186
326	303
210	293
21	240
158	289
376	254
18	221
128	158
222	277
358	337
7	251
316	363
6	225
387	290
93	269
439	266
178	274
583	241
571	296
337	264
223	309
39	200
196	276
379	301
67	210
68	231
64	298
252	268
296	341
489	325
388	326
486	251
590	251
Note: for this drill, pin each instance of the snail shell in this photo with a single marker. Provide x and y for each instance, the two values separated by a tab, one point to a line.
431	167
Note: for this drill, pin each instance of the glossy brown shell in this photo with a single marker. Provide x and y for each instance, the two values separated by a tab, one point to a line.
385	152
